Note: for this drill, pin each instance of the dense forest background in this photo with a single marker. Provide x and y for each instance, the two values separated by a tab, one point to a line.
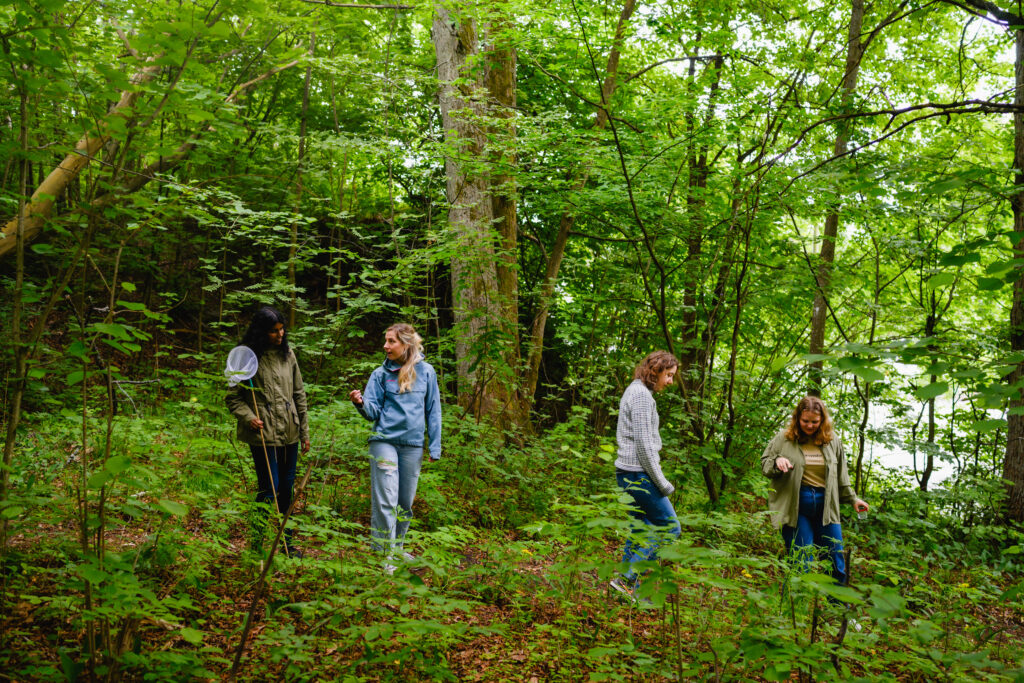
789	196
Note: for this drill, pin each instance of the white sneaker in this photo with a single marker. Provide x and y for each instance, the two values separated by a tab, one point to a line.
629	590
620	585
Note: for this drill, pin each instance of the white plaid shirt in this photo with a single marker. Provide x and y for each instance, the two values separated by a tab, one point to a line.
637	435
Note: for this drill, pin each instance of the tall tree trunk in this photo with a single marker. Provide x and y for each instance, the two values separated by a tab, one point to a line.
865	394
20	349
568	220
693	353
819	312
929	456
730	426
695	345
693	431
334	273
1013	464
476	302
500	79
293	246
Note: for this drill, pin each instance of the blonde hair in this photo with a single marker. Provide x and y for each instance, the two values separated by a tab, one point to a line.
413	342
824	433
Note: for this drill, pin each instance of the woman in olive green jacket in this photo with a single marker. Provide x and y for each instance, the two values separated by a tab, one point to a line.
278	422
807	466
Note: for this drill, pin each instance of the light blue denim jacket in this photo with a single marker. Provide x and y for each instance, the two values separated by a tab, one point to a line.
401	419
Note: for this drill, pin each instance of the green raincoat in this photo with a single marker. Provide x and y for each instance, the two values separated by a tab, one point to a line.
281	400
784	501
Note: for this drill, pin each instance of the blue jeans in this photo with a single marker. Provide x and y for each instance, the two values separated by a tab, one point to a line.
656	516
394	473
810	533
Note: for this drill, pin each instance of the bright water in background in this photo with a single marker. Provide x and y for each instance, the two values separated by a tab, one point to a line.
895	457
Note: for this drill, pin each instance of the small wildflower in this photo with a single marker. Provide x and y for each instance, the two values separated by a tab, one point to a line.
964	585
747	574
527	552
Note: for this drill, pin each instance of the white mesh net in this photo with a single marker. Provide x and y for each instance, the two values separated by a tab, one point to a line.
242	365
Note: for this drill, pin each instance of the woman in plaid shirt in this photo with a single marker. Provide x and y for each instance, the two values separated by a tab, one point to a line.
638	466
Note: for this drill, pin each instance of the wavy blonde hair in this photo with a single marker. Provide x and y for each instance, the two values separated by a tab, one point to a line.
824	433
407	334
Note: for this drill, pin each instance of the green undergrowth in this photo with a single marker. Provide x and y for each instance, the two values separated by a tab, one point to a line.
130	559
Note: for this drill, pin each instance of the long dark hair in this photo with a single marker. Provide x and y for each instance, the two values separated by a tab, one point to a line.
263	321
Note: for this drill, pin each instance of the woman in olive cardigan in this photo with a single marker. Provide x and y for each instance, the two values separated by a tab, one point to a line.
282	417
807	466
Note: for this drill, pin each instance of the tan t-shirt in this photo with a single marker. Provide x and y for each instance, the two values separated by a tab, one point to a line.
814	466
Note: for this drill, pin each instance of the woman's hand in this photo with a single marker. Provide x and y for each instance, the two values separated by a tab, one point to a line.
356	397
305	446
860	506
256	424
783	464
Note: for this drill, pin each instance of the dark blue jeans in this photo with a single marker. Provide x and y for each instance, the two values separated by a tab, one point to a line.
657	519
810	533
283	460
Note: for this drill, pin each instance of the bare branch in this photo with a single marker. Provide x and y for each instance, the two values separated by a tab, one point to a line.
972	106
581	97
356	6
127	46
245	86
697	58
983	8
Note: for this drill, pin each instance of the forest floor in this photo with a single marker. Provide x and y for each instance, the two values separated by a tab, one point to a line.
163	588
519	627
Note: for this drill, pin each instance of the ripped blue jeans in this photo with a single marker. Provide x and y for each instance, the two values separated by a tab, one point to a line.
394	473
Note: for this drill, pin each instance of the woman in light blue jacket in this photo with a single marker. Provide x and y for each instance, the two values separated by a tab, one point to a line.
403	402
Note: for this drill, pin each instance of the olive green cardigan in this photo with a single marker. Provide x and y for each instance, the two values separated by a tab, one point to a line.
281	400
784	501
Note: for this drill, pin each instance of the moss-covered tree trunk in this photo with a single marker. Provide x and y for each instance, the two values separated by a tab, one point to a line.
477	303
500	79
